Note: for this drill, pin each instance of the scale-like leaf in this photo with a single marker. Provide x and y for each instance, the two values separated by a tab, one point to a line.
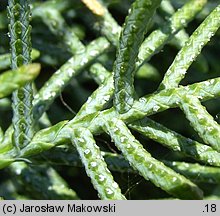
132	36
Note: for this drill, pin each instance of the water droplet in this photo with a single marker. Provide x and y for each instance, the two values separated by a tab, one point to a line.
211	81
109	191
89	100
188	44
178	57
217	117
206	83
173	29
186	165
187	88
122	139
199	116
99	156
102	178
182	71
47	95
83	62
168	72
183	21
107	170
115	185
18	171
133	26
210	161
201	45
106	98
80	140
93	164
102	78
60	83
70	72
93	52
210	129
96	146
156	108
87	151
174	179
151	47
115	30
36	96
142	100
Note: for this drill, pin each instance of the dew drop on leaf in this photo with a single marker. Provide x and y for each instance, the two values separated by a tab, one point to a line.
81	140
156	108
174	179
115	185
102	178
109	191
87	151
122	139
93	164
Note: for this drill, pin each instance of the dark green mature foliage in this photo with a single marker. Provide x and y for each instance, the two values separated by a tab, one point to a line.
20	44
153	152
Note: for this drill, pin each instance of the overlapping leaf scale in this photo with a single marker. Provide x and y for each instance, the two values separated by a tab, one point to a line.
147	166
192	48
176	142
20	43
95	165
158	38
207	128
63	76
132	36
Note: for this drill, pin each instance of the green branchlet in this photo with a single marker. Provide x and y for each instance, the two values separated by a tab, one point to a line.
93	117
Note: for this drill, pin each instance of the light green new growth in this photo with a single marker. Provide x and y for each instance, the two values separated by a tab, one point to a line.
5	59
158	38
207	128
14	79
146	165
182	36
192	48
169	98
63	76
95	166
176	142
99	73
196	172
